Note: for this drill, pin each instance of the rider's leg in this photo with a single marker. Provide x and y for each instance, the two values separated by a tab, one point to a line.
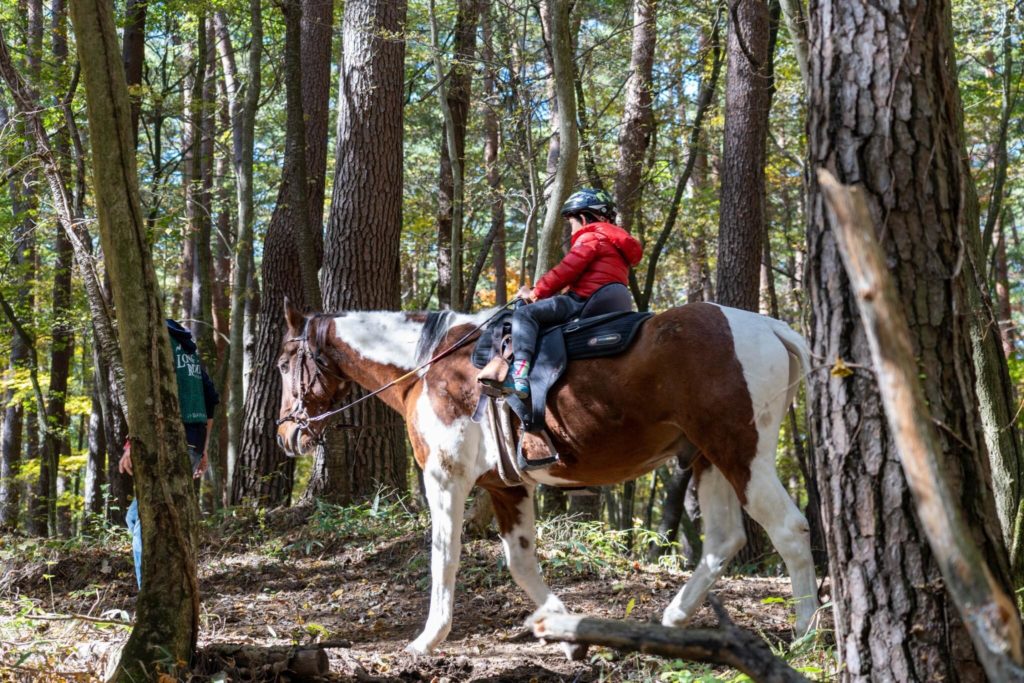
527	321
723	538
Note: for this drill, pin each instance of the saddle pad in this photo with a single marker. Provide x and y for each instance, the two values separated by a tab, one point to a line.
603	335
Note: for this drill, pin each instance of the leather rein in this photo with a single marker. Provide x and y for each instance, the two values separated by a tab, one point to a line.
301	417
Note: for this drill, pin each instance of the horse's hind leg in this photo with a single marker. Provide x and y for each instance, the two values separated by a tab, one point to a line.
446	495
771	507
723	538
513	508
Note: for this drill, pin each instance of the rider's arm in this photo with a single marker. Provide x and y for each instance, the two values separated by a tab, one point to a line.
569	269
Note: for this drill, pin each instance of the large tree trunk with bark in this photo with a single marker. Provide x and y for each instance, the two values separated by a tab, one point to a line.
167	617
294	244
361	269
890	121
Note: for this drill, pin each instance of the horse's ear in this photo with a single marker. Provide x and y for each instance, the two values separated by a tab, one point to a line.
294	318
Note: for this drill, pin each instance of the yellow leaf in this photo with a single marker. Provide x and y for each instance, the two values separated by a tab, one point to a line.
840	368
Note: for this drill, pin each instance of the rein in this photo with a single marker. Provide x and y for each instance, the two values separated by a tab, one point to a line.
305	421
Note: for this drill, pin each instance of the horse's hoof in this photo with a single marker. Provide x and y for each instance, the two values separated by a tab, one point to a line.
575	652
418	648
674	618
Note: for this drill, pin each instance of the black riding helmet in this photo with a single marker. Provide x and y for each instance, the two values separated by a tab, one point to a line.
589	201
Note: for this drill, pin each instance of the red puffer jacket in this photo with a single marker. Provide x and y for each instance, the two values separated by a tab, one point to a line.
598	256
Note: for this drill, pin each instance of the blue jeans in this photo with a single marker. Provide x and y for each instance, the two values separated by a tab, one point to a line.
134	524
131	519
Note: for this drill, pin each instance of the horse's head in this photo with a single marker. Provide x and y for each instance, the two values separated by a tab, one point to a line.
311	380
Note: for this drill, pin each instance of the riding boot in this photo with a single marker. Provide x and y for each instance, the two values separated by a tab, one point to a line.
493	376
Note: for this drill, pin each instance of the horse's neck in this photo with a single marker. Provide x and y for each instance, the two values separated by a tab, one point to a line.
377	347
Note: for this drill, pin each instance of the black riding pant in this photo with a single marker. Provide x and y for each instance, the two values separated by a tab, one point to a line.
529	320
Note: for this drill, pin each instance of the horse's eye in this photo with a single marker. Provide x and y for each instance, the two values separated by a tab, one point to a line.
283	366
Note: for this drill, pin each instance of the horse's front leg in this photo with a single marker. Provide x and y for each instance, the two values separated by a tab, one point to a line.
447	489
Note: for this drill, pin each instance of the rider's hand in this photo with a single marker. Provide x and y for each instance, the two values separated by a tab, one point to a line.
526	294
201	467
124	466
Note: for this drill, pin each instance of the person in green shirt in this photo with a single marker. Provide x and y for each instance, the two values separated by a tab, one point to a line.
197	400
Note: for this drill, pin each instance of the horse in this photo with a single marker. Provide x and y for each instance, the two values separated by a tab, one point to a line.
701	379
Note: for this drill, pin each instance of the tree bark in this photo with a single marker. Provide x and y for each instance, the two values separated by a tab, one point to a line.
134	56
95	465
742	204
243	103
454	93
987	610
890	121
167	617
549	243
264	473
361	264
491	150
637	115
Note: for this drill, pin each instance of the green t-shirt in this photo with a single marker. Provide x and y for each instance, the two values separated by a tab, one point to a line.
190	384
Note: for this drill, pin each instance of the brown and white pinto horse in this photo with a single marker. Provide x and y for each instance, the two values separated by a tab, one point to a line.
703	377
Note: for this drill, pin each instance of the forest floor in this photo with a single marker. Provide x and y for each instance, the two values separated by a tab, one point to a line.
360	574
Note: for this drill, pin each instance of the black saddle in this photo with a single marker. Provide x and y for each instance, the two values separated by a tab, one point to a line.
606	327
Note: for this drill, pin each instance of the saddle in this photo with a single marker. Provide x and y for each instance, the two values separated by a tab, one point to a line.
598	332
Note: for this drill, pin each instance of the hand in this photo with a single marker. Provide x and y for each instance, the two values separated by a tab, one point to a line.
124	466
204	463
526	294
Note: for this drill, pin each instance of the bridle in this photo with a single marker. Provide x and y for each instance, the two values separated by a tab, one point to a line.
300	416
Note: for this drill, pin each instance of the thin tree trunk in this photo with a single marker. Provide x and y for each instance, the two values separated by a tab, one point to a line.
134	55
637	116
549	243
167	617
491	150
453	96
243	104
95	465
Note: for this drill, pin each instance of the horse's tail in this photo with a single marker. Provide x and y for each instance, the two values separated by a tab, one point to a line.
799	355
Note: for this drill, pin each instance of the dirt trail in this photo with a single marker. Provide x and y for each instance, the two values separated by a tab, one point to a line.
367	585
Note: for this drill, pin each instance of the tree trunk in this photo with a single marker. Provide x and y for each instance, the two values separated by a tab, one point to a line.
10	438
456	89
549	243
637	117
361	268
62	338
243	104
264	473
134	55
890	122
94	466
491	149
167	617
741	227
1004	309
742	205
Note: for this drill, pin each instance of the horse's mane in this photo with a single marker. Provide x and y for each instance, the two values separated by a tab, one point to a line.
435	328
319	327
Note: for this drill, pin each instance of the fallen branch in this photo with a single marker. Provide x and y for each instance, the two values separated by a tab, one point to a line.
78	617
251	662
728	645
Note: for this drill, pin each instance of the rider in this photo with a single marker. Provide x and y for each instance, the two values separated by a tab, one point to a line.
601	254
